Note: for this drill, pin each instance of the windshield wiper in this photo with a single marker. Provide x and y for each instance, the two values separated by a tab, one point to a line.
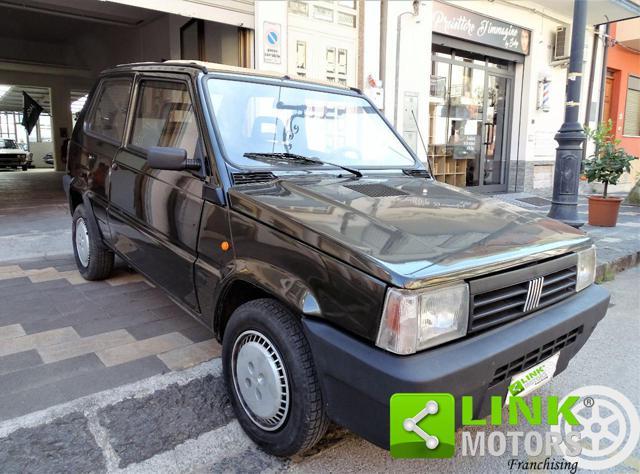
295	158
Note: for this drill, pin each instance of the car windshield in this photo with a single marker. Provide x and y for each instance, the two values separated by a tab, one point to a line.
6	143
261	119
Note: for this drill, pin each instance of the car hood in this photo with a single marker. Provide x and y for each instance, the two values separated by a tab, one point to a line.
407	231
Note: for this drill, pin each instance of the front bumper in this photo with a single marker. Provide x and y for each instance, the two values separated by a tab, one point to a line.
10	161
358	380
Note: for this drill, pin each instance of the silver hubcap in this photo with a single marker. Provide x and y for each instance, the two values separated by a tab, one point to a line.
82	241
260	380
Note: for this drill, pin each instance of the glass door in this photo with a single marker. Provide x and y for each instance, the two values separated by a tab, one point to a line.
469	107
494	146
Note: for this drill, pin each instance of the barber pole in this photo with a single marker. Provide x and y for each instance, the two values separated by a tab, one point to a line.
544	94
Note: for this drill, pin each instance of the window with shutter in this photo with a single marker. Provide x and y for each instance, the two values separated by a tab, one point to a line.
632	108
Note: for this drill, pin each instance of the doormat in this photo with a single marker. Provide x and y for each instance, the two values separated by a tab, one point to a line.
536	201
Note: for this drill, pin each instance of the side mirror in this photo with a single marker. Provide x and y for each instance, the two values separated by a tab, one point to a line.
168	158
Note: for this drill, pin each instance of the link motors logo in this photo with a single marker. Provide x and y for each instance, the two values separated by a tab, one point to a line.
609	428
593	427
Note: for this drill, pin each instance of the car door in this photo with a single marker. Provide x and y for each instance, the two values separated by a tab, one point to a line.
154	215
97	139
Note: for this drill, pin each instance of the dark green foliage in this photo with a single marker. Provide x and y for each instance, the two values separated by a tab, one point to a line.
609	161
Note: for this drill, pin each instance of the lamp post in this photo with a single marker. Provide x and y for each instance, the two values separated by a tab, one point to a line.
570	137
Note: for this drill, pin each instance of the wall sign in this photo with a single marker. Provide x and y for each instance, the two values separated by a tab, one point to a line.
271	43
453	21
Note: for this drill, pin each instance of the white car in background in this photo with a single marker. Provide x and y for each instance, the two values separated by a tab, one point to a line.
12	156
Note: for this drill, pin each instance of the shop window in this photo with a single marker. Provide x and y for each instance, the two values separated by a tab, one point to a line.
109	114
165	117
298	7
632	108
322	13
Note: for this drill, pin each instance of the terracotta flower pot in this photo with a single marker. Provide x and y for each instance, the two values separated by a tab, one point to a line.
603	212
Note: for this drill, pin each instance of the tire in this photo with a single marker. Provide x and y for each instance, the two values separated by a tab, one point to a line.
25	167
303	422
93	259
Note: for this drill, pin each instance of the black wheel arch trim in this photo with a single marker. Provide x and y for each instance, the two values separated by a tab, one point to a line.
297	296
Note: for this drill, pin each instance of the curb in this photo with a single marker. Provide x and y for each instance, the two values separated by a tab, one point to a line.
606	271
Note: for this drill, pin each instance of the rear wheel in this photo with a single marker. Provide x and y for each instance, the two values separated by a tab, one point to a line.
93	259
271	378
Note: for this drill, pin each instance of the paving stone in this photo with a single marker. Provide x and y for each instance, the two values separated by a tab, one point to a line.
98	322
106	289
169	310
149	298
62	446
140	428
185	357
85	345
38	340
140	349
11	331
19	361
111	377
197	333
56	262
78	385
10	286
61	320
38	376
162	326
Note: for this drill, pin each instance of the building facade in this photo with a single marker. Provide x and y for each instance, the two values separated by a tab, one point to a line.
489	78
475	87
622	90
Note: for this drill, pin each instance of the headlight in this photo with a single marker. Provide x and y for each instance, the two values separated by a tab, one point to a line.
413	320
23	156
586	268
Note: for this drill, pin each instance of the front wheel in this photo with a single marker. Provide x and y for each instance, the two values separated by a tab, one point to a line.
271	378
93	259
25	167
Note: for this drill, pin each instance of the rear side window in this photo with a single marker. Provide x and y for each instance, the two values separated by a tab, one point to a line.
108	116
165	117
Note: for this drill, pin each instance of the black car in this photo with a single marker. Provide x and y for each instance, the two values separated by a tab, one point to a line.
294	222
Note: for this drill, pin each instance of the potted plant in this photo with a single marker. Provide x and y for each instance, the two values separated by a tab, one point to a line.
605	166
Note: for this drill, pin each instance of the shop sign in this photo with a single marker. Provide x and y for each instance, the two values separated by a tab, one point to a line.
464	24
272	43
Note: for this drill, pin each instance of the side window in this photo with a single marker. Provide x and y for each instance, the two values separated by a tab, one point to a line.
108	116
165	117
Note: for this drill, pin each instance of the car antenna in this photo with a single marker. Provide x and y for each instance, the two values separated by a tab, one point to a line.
422	141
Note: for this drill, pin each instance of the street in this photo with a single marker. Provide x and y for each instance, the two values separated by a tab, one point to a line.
182	421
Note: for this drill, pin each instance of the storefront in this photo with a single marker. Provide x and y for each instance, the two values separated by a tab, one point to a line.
471	100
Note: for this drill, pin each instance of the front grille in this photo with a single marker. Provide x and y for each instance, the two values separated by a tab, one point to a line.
503	297
535	357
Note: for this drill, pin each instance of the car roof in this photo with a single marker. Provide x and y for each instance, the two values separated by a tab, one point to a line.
208	67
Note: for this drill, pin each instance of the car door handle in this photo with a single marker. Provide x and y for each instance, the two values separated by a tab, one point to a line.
114	166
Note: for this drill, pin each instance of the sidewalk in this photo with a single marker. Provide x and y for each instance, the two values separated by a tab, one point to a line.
618	248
